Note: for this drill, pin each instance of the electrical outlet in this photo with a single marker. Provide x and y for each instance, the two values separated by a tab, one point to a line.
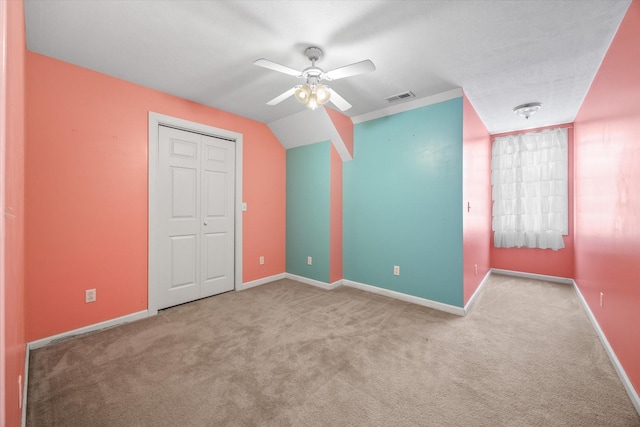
396	270
309	260
90	295
261	260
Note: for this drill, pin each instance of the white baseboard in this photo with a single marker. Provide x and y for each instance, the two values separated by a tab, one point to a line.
633	394
313	282
262	281
469	303
405	297
336	284
90	328
25	385
534	276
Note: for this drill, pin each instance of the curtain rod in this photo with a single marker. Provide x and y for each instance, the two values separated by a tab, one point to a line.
540	129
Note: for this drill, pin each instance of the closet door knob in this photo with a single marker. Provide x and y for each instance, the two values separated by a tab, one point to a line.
205	223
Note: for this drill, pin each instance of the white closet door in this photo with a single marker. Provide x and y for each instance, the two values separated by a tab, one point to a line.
196	205
217	212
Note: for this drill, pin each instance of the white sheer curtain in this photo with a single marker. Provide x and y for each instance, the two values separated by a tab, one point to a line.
529	179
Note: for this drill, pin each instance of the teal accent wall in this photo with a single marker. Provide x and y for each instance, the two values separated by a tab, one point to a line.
403	203
308	210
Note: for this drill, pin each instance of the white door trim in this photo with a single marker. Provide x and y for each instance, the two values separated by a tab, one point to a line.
156	120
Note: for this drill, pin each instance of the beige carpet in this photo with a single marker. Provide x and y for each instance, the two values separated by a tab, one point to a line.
289	354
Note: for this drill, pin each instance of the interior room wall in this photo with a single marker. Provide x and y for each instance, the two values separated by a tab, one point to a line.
344	127
86	193
607	195
12	282
264	190
402	203
547	262
476	197
336	218
309	211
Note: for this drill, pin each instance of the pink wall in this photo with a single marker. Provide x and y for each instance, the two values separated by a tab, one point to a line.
12	287
344	126
607	195
335	220
541	261
264	191
86	193
476	155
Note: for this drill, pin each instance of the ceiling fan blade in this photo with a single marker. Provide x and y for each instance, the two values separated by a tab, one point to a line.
265	63
278	99
350	70
337	100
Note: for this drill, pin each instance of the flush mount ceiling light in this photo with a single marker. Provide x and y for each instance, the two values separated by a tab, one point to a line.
527	110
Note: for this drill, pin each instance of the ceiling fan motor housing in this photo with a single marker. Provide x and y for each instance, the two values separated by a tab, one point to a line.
313	74
313	53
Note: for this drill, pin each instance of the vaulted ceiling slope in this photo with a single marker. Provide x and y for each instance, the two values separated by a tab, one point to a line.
502	53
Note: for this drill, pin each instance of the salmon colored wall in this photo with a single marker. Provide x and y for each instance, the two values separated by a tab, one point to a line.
86	193
541	261
335	221
12	291
344	126
476	190
264	191
607	185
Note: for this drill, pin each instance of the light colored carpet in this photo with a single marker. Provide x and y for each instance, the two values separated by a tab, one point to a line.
289	354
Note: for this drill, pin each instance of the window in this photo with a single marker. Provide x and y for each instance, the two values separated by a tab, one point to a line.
529	181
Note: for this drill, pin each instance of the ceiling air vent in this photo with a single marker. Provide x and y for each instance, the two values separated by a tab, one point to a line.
401	97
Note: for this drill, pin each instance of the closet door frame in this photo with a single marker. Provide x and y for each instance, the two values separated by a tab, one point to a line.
155	120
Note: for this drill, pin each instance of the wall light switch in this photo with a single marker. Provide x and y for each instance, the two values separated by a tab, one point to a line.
244	207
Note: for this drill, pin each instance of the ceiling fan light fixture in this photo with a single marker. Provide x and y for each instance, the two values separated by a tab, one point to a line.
527	110
322	94
312	95
303	93
313	101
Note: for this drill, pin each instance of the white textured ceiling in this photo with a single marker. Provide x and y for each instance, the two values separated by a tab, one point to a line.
502	53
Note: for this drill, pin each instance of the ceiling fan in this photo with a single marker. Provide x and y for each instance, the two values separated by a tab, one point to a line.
313	93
